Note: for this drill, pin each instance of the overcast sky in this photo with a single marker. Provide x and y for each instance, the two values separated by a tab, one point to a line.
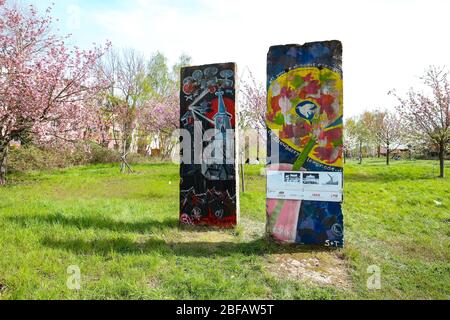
387	44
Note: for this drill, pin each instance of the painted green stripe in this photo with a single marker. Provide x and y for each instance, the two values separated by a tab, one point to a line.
302	158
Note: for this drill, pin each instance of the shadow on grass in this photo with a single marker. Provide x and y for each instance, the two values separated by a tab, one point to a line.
124	245
97	223
258	247
147	226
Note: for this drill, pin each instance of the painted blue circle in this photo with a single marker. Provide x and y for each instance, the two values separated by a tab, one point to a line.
307	109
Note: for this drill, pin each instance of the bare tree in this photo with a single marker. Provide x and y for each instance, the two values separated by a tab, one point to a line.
429	113
125	72
388	130
357	131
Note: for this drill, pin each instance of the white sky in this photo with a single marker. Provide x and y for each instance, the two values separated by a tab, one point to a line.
387	44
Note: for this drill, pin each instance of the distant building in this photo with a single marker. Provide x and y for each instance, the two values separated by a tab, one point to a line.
397	150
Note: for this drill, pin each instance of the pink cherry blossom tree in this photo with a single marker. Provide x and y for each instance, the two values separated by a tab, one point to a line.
253	98
44	84
252	113
252	117
161	117
428	113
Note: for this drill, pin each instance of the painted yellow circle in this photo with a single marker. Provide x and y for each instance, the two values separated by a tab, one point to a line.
292	88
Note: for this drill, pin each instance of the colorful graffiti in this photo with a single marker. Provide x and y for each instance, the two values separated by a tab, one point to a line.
304	121
208	188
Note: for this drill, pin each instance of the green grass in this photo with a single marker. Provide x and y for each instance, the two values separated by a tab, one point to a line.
122	231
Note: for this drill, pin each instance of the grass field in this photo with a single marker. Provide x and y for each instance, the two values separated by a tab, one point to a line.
122	231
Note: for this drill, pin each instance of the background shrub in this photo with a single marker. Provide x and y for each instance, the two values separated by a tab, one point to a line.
32	157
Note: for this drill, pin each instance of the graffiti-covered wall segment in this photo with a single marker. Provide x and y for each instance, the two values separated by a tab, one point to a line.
304	122
208	169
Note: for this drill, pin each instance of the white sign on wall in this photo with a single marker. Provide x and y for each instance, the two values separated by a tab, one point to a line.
304	185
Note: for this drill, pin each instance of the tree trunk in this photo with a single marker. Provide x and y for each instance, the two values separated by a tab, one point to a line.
124	165
441	160
360	152
242	178
122	157
379	151
3	164
388	154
